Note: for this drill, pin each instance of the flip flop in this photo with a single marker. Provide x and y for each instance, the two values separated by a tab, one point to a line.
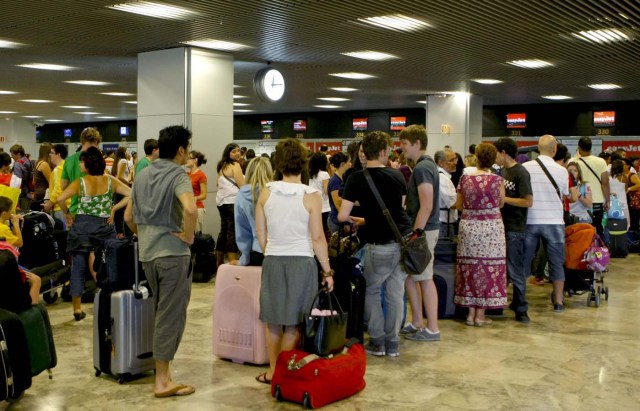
262	378
176	391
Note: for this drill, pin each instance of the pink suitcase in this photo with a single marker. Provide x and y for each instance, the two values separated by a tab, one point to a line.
238	333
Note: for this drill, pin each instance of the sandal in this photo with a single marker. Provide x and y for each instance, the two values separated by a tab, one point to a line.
262	378
178	390
79	316
482	323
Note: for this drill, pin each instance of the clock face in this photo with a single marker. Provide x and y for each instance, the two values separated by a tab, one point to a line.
269	84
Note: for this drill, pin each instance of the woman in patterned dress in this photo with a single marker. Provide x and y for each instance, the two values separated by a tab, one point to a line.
481	274
94	218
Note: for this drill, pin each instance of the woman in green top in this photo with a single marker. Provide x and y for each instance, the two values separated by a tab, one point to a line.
94	218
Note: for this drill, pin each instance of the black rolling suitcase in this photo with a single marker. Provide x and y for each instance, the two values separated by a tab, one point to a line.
618	243
444	275
204	259
15	364
40	246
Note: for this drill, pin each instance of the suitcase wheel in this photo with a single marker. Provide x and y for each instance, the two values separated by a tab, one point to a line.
98	372
278	393
306	401
15	397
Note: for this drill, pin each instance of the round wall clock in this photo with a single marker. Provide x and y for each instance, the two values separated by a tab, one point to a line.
269	84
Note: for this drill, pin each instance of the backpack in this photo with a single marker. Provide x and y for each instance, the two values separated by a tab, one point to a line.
27	181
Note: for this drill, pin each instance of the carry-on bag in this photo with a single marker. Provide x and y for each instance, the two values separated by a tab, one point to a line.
204	259
40	247
15	364
42	349
314	381
618	244
324	330
238	333
123	329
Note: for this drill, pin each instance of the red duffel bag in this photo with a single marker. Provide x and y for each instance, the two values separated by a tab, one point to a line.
316	381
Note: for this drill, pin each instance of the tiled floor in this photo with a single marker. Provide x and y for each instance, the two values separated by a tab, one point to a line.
584	358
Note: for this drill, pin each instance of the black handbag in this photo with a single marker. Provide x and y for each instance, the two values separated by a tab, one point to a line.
324	335
415	255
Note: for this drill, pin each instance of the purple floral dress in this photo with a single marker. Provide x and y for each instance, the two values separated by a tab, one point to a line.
481	274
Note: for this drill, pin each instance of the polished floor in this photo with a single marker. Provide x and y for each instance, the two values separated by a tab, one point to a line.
586	358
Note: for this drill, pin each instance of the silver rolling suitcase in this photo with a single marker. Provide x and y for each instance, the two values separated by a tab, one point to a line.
123	330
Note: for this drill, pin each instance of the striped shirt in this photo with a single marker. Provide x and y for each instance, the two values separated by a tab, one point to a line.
547	208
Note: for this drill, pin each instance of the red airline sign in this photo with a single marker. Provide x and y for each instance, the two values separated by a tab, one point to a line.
517	120
630	146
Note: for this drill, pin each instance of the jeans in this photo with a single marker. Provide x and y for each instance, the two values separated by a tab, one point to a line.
598	214
382	268
552	236
79	266
60	216
516	271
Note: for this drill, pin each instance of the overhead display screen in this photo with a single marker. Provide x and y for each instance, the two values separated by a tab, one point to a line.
67	132
604	118
398	123
266	126
517	120
360	124
299	125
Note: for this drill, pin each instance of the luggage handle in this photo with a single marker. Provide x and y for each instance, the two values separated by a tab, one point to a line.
140	293
292	365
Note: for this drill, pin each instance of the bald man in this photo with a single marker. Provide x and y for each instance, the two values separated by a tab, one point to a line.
550	185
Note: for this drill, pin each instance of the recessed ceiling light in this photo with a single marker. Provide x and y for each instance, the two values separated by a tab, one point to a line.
88	82
344	89
216	44
6	44
237	86
106	117
86	113
150	9
44	66
370	55
8	112
77	107
238	96
130	102
118	94
352	75
557	97
601	36
32	116
54	120
8	92
242	110
421	101
241	104
398	22
531	63
604	86
37	101
487	81
333	98
327	106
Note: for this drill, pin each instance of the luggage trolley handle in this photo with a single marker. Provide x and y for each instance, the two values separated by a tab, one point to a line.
140	293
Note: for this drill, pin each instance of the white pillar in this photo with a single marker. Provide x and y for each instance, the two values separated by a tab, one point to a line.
194	88
18	131
454	120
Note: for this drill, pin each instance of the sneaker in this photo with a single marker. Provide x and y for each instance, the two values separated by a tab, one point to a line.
373	349
523	317
558	308
424	335
409	329
392	351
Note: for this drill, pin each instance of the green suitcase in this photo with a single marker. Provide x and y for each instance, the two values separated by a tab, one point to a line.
42	349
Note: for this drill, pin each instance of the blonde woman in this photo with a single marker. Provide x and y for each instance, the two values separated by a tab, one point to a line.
258	174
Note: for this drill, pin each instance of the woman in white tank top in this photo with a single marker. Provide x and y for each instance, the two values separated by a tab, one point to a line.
289	229
230	179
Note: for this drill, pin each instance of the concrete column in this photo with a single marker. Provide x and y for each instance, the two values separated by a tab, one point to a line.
194	88
454	120
18	131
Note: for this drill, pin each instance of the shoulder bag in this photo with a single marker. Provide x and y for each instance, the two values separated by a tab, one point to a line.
414	252
324	332
591	169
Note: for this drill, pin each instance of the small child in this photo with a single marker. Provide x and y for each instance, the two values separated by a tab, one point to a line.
13	236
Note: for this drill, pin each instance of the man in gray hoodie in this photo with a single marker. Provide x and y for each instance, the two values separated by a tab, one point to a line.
163	213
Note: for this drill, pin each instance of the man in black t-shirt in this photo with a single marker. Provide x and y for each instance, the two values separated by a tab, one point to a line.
518	197
382	266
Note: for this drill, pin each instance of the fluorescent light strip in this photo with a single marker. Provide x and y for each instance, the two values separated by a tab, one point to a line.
118	94
601	36
557	97
8	112
54	120
327	106
8	92
45	66
32	116
487	81
421	101
333	98
604	86
531	63
77	107
37	101
216	44
130	102
397	22
150	9
238	96
242	110
88	82
86	113
107	117
241	104
344	89
6	44
370	55
352	75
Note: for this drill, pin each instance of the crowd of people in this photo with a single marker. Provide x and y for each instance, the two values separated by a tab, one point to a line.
279	211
